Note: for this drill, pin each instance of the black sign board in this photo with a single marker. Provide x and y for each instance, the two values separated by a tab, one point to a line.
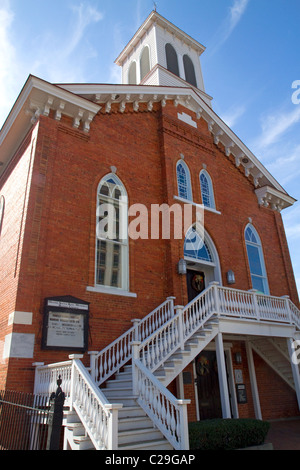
65	325
241	393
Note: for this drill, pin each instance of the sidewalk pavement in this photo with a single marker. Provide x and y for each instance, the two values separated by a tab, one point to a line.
285	435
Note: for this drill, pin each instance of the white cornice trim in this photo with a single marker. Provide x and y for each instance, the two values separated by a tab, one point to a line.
270	197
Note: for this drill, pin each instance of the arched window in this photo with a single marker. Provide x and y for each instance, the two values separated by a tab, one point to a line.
207	191
145	62
184	181
256	260
112	234
195	247
172	59
189	70
132	74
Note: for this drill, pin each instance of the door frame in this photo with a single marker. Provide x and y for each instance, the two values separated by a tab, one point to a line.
230	380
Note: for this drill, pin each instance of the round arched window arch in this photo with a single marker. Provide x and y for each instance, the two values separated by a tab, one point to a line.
112	234
189	70
145	62
132	74
184	181
172	59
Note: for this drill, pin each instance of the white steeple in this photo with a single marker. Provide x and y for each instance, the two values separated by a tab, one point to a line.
161	54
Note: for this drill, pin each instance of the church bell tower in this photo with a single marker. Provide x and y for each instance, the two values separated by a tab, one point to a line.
160	54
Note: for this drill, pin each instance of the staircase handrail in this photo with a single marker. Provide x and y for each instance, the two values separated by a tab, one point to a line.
173	334
98	416
295	313
108	361
168	413
218	300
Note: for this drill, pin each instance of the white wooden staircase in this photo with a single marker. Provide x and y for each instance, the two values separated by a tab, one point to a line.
274	352
122	402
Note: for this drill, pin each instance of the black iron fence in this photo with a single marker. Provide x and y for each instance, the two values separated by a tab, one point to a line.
30	422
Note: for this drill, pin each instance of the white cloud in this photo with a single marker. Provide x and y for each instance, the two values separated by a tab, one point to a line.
233	115
85	14
54	58
285	162
275	125
236	12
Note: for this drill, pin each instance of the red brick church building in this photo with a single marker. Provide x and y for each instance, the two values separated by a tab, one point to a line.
159	329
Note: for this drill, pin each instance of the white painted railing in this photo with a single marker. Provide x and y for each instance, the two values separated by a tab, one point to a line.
168	413
46	377
219	301
171	336
105	363
98	416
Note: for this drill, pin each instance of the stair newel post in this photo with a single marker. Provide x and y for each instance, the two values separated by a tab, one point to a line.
255	303
215	286
93	367
135	345
179	313
137	333
287	307
112	432
171	306
184	428
37	389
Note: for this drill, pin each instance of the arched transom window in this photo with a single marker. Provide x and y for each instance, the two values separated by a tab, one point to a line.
184	181
112	234
196	248
256	260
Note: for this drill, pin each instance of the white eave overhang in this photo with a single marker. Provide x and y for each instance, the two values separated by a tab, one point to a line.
83	101
37	98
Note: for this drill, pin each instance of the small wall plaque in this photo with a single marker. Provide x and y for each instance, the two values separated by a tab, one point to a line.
65	325
241	393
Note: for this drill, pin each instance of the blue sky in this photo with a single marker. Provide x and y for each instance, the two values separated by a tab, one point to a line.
249	66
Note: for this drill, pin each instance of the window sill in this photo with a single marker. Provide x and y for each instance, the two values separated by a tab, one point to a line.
110	291
186	201
210	209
